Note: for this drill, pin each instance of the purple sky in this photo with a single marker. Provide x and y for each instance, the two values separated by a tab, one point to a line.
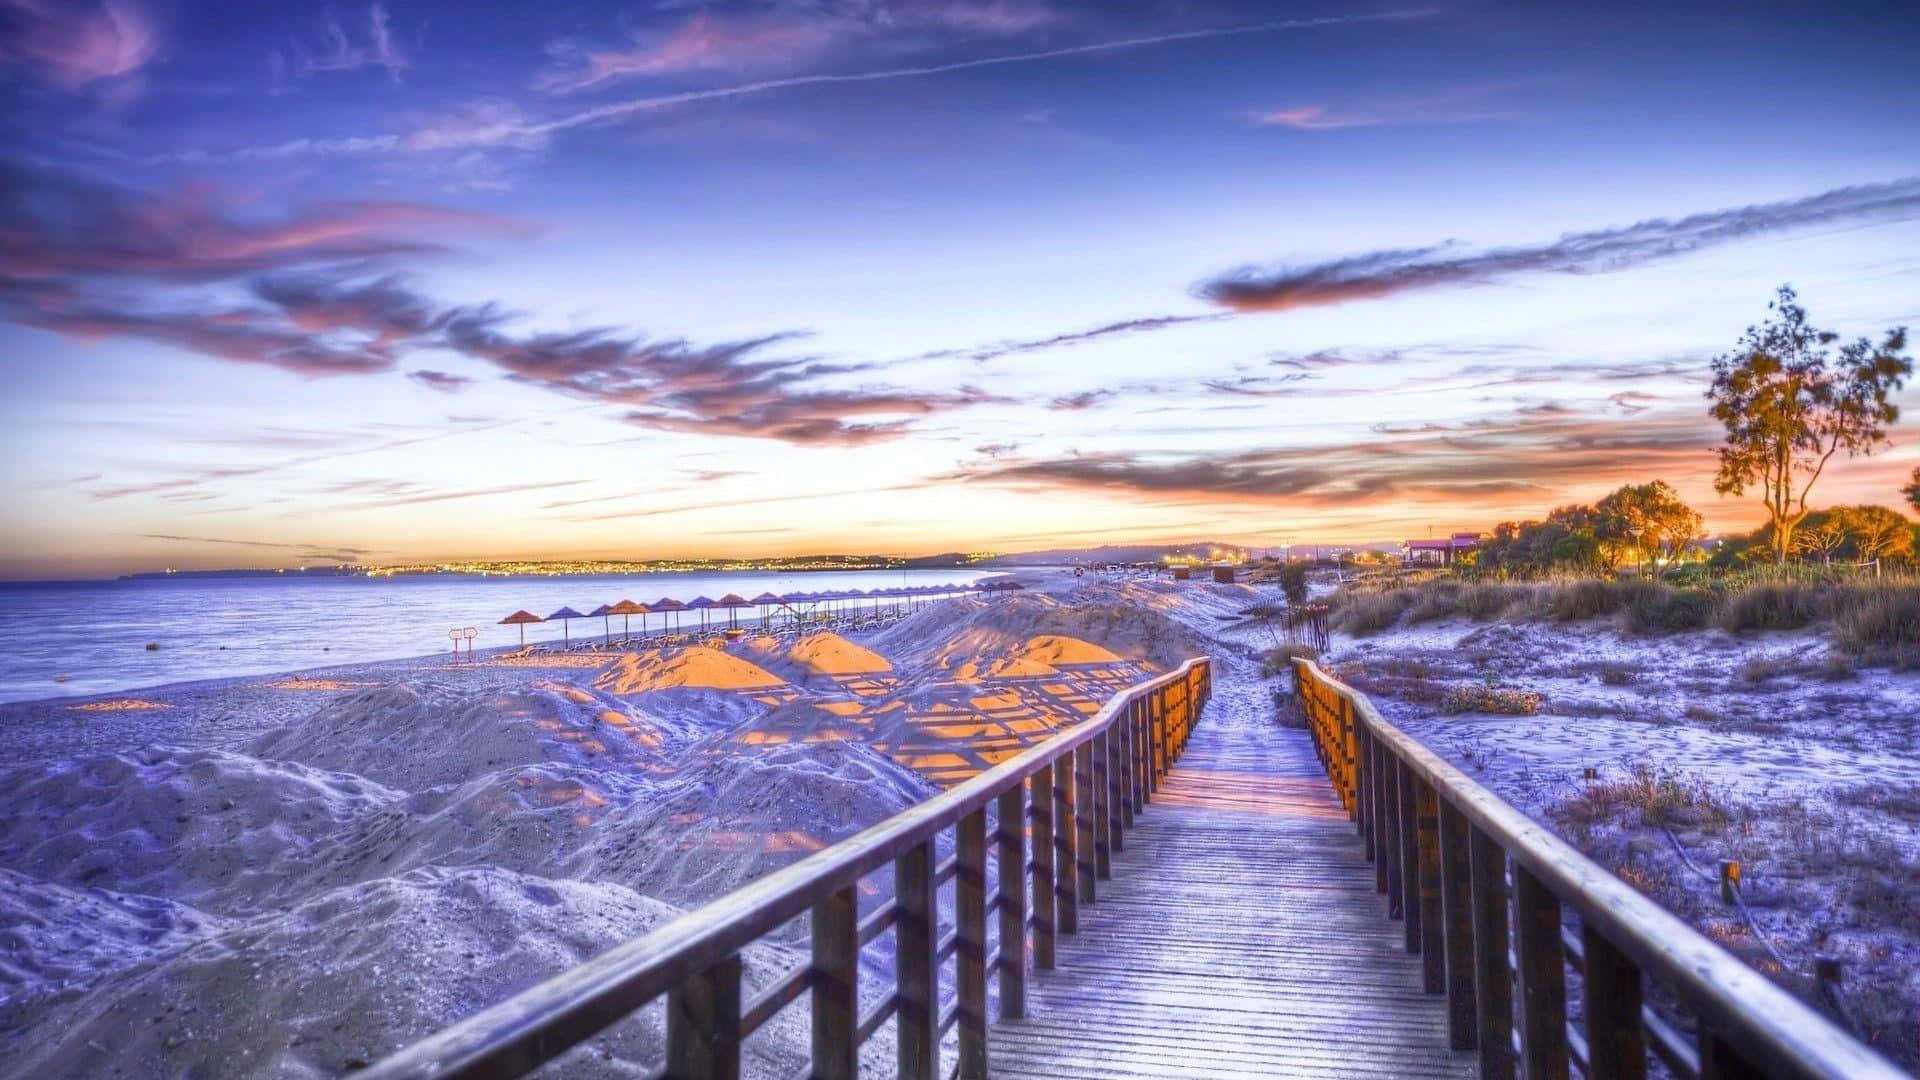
286	283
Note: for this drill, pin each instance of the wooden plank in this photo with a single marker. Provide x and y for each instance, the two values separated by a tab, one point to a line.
1542	969
1010	860
915	965
1456	902
1236	938
1085	809
1493	974
703	1024
970	949
1043	893
1066	846
1612	992
1433	959
836	983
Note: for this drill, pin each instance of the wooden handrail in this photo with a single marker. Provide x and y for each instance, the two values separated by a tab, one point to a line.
1481	887
1080	789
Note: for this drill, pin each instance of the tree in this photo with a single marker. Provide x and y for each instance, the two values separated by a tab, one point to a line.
1649	520
1820	535
1875	532
1789	406
1912	490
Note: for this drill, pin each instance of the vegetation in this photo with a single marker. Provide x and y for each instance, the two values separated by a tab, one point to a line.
1648	523
1488	698
1789	406
1293	581
1873	621
1279	660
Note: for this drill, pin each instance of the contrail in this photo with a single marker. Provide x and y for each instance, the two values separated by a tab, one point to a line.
510	131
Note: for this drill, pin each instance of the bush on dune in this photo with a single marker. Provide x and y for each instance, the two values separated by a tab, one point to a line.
1361	614
1879	625
1772	606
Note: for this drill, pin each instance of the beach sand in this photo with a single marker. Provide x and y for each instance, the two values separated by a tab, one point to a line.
295	875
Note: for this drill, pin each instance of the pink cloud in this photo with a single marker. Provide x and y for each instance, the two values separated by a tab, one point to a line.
1316	118
73	44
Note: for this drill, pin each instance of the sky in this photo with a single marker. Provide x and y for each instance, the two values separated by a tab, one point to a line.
410	281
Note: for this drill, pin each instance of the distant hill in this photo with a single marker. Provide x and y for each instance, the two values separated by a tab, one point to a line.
1119	553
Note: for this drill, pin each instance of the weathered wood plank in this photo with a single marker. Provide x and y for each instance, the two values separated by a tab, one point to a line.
1236	938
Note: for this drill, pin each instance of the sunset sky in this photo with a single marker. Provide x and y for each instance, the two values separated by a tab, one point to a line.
283	283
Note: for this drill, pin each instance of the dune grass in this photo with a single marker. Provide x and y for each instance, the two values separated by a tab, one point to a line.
1874	622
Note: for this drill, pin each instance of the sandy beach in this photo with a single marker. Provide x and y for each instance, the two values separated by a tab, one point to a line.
297	874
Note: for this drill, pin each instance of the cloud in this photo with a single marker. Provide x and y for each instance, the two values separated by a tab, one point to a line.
1085	399
1459	105
1316	118
1258	385
334	48
75	45
1148	324
779	37
466	493
1379	274
310	294
1539	453
440	380
525	132
254	543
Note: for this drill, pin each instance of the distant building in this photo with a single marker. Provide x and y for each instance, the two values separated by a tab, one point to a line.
1440	552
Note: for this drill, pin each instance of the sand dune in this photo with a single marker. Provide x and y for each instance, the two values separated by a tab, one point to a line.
311	895
698	666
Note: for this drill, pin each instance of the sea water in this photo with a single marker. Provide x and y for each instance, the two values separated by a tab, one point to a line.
92	637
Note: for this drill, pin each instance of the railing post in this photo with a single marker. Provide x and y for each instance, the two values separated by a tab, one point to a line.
1363	787
1433	957
1350	761
970	942
1720	1061
1101	815
1043	892
703	1024
1493	976
1456	901
916	943
1119	813
1391	777
1066	845
1611	990
1130	762
1543	977
1382	819
1409	837
1010	861
836	986
1085	842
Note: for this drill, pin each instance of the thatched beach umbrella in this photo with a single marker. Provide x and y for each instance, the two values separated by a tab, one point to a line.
668	603
625	608
521	619
566	615
732	602
701	604
604	611
766	600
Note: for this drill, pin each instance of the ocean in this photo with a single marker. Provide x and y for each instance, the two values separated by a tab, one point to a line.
81	638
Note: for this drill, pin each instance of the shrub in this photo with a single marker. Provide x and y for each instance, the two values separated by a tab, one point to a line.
1487	698
1880	626
1293	582
1279	661
1487	601
1771	606
1361	614
1653	608
1583	599
1657	797
1436	601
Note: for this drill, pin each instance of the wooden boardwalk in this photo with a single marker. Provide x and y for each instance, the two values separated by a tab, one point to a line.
1240	935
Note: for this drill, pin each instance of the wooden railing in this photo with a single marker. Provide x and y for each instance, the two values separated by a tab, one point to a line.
1484	892
1076	794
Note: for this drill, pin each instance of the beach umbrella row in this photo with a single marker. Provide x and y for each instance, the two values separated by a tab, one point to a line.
733	602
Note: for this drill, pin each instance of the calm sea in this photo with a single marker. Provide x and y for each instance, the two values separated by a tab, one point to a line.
73	638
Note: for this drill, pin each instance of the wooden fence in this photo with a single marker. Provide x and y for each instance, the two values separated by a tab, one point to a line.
1485	893
1075	795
